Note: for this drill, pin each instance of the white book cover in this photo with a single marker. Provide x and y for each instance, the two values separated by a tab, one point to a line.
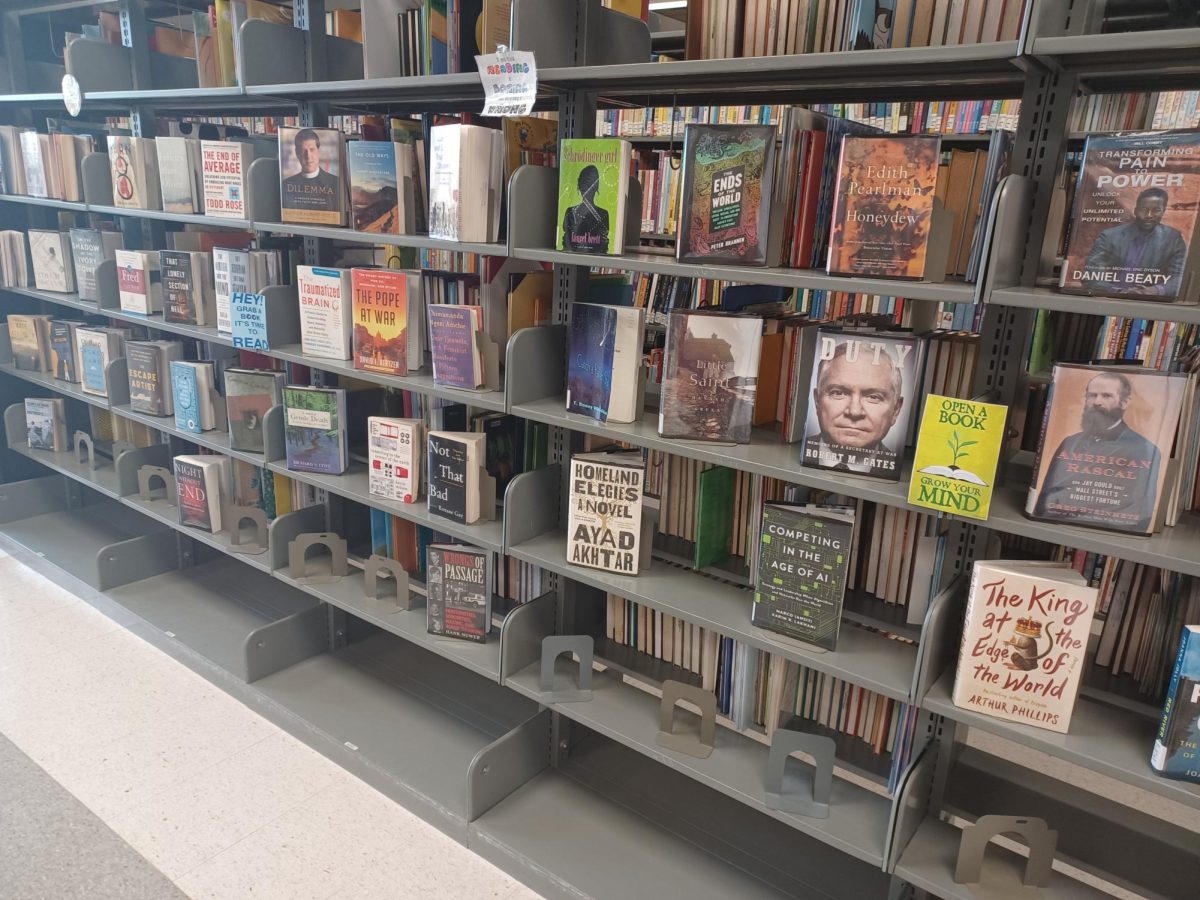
325	309
134	165
53	267
604	524
177	175
138	281
231	272
394	458
223	169
34	164
1025	639
444	173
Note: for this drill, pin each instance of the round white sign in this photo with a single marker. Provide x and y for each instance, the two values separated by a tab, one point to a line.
72	95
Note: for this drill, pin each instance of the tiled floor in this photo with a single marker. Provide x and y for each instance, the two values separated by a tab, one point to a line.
223	803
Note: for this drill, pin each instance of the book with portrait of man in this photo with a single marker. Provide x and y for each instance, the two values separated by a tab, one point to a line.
1105	452
311	185
1134	218
861	398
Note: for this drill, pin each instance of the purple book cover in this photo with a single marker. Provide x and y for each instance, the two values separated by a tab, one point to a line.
452	331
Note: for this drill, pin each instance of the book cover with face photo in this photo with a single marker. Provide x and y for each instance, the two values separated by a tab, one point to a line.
311	185
1106	441
861	398
1136	203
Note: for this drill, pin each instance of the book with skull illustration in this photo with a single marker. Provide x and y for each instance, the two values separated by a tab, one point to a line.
1024	642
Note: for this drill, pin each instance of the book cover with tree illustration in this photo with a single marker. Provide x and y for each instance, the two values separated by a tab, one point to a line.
313	432
593	181
958	449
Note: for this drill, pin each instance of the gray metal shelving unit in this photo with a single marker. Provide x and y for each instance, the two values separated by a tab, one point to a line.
462	733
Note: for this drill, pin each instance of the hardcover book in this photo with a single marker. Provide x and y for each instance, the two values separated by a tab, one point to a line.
604	362
1176	751
178	165
800	582
725	200
465	182
457	361
314	429
1024	642
64	358
958	450
89	248
458	579
45	423
1106	441
231	272
186	285
223	168
310	171
593	183
604	523
326	325
34	163
96	347
139	281
1134	217
29	336
883	210
53	268
455	459
249	393
200	482
382	199
149	366
192	384
394	458
381	320
863	391
711	376
134	164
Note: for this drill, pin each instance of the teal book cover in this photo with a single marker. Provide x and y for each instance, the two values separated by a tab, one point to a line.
185	388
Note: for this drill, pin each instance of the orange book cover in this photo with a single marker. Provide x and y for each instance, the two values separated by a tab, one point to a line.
380	320
884	206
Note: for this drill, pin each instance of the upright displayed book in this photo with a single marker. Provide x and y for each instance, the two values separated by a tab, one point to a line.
97	347
883	211
200	482
64	356
149	365
455	460
249	393
29	336
604	511
382	187
958	451
1133	224
34	163
1176	752
453	343
139	281
593	183
314	429
89	248
192	387
187	287
179	174
394	458
459	579
53	268
134	164
863	390
710	376
382	338
326	323
604	360
46	423
1105	446
312	189
803	557
224	166
1024	642
725	200
466	182
240	270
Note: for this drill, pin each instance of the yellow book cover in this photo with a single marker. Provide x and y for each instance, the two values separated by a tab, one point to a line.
958	448
283	493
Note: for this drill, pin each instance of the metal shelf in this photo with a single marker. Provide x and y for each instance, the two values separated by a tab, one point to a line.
1125	61
168	514
48	382
866	658
75	205
428	90
102	479
213	440
1048	298
398	240
183	218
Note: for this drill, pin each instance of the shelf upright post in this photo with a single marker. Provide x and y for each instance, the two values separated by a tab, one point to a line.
14	51
309	17
135	36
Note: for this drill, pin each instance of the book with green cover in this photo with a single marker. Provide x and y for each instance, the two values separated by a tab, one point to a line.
714	516
593	181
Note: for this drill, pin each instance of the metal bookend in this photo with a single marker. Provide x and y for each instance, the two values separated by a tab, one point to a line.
85	450
298	558
1041	840
146	476
700	746
401	599
555	646
234	517
822	749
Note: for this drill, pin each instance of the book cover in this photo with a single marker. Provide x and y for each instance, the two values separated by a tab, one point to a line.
326	326
453	474
1024	642
138	281
452	334
34	164
248	321
711	377
958	450
310	173
393	458
185	391
1134	216
381	174
725	200
177	174
249	393
146	362
231	272
529	141
223	166
134	165
1106	440
883	209
313	429
604	359
194	485
89	248
93	350
593	182
800	580
505	447
380	321
63	355
182	295
1176	752
863	390
53	269
25	334
714	515
460	597
604	523
45	426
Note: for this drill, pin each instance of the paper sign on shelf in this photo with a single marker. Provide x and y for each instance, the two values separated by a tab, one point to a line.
509	82
72	95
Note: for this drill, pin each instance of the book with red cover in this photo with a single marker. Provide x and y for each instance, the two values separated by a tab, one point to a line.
380	320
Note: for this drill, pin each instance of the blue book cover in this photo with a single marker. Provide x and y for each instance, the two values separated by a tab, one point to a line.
93	357
248	325
1177	746
381	532
374	186
313	434
185	388
590	364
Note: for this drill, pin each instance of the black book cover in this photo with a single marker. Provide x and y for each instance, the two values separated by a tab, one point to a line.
179	287
193	495
505	449
146	378
62	349
448	478
457	581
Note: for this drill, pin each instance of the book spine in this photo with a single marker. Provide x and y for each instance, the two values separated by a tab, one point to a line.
1158	757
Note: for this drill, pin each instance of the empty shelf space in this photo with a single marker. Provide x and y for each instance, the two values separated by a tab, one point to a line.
162	511
48	382
213	440
103	478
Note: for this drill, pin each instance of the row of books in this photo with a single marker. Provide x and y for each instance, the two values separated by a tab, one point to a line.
930	116
1135	111
664	121
42	165
719	29
14	259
